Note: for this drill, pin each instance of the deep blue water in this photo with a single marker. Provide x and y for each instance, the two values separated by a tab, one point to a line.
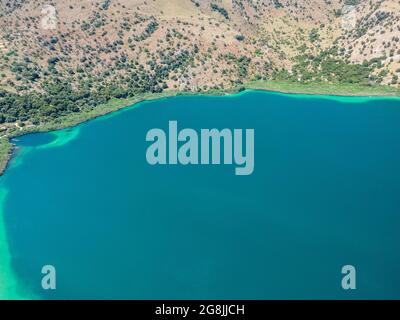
325	193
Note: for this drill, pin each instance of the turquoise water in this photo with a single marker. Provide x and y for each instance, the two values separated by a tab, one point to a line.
325	193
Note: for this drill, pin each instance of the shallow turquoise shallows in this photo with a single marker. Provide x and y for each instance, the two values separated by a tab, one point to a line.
325	193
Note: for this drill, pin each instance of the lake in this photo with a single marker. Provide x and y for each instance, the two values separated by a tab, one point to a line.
325	193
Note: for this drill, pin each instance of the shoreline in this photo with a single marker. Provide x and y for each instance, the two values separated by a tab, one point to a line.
323	89
7	148
6	151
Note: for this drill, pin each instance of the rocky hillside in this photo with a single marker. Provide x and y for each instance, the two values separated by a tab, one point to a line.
61	56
